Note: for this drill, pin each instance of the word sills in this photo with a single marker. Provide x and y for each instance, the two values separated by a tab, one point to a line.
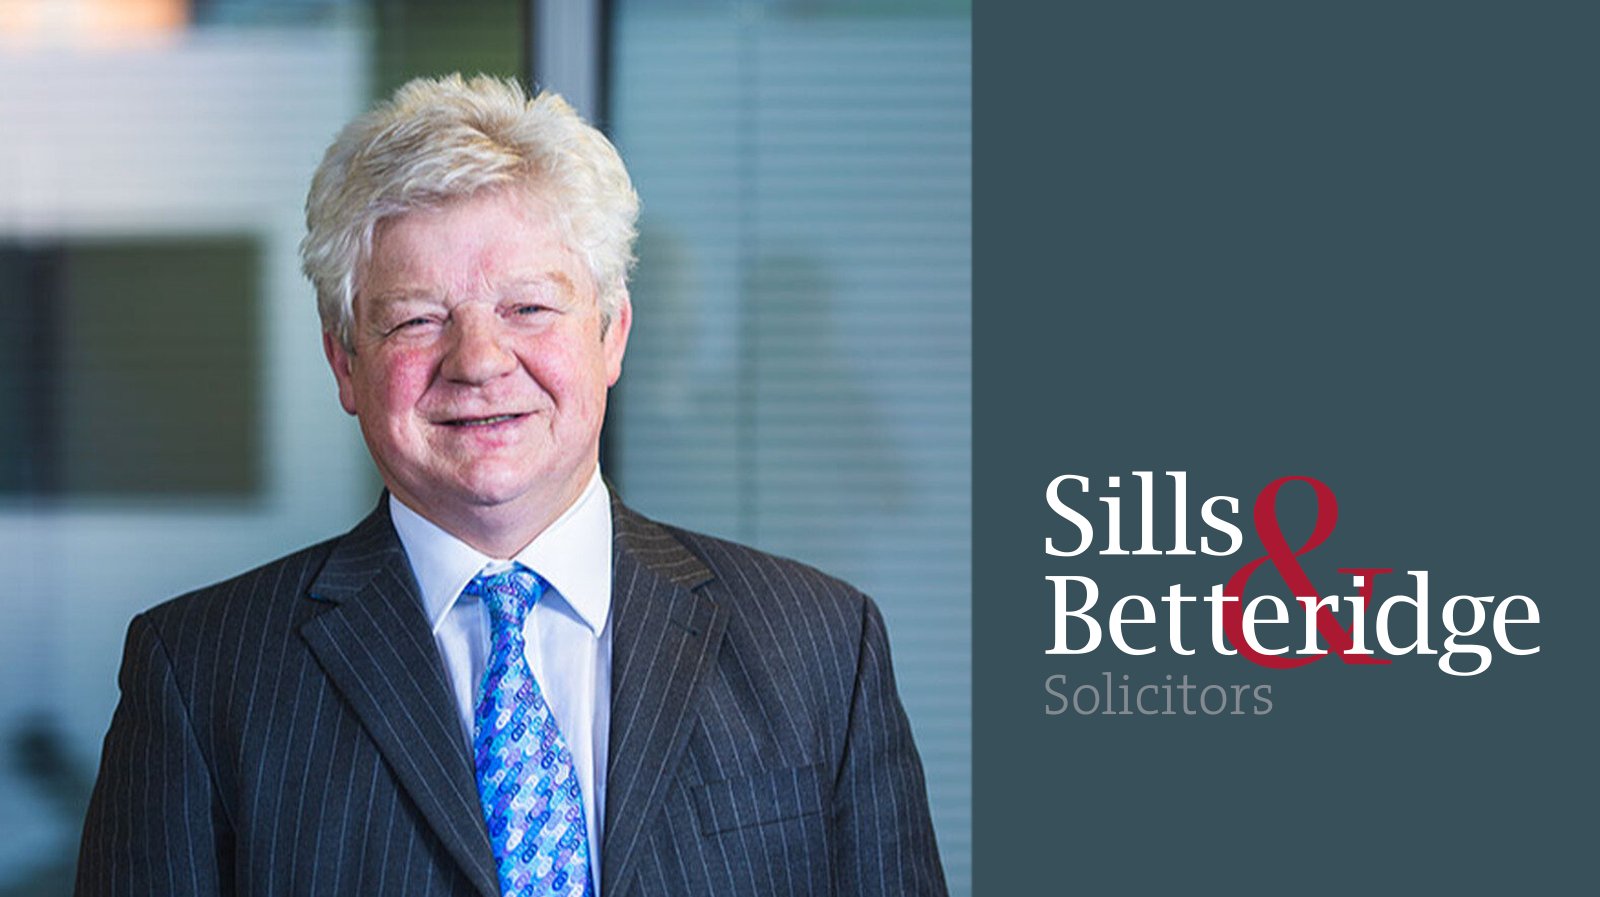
1162	697
1419	605
1180	517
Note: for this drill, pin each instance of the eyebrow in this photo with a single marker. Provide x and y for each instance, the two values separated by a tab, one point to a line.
402	294
553	278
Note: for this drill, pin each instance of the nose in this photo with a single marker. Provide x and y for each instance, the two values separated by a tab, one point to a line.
477	352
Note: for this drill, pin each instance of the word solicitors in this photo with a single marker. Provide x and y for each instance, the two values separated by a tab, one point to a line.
1260	705
1233	618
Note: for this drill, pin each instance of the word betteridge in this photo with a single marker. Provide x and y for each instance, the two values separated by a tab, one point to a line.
1232	618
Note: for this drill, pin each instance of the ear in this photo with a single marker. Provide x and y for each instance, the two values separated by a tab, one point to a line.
615	340
342	361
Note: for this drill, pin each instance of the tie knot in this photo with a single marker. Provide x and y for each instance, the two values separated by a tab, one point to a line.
508	595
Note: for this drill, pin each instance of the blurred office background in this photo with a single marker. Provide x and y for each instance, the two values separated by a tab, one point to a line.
798	378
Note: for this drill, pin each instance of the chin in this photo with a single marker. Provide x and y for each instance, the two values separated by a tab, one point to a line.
501	484
493	482
492	495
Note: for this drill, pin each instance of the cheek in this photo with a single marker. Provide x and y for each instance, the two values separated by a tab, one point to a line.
577	377
395	383
560	364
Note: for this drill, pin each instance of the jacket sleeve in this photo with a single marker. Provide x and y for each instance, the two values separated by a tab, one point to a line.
883	831
154	825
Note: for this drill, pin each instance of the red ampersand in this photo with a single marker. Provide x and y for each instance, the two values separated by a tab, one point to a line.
1266	517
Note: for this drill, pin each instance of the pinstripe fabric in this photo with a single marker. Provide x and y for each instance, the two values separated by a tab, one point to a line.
758	744
290	731
272	742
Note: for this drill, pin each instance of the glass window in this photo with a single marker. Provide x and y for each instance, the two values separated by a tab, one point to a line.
799	376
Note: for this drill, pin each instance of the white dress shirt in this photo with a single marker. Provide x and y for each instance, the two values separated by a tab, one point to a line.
567	640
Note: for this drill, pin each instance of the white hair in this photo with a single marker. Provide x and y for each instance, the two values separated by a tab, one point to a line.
439	139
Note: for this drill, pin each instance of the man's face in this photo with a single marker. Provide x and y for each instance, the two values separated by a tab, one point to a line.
479	369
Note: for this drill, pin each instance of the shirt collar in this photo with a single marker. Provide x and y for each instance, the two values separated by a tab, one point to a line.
573	554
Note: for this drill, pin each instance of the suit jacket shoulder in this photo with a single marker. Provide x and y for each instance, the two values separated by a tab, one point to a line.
802	616
288	731
248	605
793	769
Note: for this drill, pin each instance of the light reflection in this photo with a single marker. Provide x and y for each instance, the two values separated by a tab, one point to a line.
89	24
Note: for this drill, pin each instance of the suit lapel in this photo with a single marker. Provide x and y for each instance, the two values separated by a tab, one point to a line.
665	639
375	645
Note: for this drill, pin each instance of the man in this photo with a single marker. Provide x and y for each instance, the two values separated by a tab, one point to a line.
503	681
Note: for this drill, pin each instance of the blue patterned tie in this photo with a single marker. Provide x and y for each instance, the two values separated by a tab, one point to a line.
526	781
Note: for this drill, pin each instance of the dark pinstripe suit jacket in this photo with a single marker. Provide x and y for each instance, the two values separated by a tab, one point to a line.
290	731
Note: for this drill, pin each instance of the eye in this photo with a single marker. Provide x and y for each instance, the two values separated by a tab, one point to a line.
529	313
411	324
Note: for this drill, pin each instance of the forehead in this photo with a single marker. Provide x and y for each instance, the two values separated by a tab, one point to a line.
482	243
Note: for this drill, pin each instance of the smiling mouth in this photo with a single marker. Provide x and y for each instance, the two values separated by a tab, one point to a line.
482	421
